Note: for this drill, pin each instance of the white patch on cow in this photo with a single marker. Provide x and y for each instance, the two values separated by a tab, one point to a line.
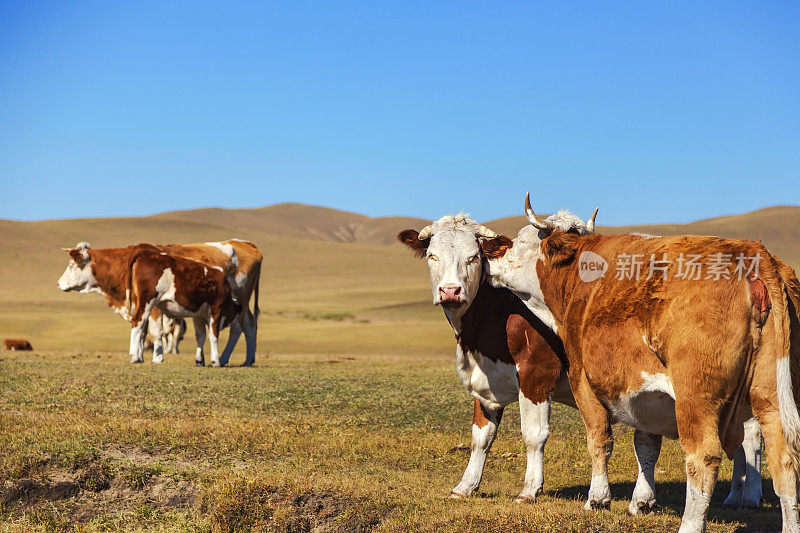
227	249
787	409
166	285
650	408
494	383
694	513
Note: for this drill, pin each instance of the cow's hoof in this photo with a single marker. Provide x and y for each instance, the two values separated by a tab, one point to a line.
216	364
642	508
457	496
592	505
248	363
750	505
524	499
199	363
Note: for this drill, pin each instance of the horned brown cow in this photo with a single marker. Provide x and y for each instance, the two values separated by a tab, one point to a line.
728	345
17	345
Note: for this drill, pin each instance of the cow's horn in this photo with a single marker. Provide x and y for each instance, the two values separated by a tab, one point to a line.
485	232
67	249
531	216
425	232
590	224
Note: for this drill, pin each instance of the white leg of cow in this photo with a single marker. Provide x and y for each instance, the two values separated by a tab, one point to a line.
157	331
484	430
233	336
200	337
251	336
169	342
535	422
136	350
647	446
212	341
752	494
746	480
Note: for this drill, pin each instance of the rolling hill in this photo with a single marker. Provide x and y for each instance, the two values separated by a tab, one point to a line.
332	281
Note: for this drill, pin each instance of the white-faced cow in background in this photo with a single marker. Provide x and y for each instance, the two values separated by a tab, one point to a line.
685	357
107	271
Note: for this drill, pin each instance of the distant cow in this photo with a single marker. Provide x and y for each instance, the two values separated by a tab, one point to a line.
728	344
179	287
17	345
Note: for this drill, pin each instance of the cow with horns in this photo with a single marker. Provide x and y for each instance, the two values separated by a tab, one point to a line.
685	356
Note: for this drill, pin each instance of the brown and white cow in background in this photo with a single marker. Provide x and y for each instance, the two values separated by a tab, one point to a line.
726	348
504	354
179	287
17	345
107	270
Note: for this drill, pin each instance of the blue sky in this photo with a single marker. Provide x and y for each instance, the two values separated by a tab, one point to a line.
656	112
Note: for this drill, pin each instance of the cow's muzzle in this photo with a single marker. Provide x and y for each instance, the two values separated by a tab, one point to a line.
451	295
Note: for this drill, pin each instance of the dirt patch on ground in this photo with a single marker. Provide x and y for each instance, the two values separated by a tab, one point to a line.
96	486
243	505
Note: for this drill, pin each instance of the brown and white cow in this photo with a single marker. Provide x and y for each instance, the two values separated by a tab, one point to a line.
504	354
727	345
17	345
179	287
106	271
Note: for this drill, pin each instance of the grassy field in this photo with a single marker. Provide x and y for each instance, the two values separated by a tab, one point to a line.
297	443
353	418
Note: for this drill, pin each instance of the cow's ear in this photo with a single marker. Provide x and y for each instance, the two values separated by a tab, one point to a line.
410	238
559	248
497	247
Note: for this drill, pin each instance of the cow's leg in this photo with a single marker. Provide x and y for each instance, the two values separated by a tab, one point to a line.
647	446
200	337
250	336
484	430
213	335
139	325
535	422
599	440
746	489
752	494
169	339
234	331
157	330
699	435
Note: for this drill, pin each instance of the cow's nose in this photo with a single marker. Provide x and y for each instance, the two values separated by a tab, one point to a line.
450	293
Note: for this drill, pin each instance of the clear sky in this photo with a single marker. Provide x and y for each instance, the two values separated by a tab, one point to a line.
655	111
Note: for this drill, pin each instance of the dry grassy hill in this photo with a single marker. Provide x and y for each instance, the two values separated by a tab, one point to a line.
332	281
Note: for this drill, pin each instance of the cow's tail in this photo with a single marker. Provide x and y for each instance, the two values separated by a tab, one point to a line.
786	319
256	310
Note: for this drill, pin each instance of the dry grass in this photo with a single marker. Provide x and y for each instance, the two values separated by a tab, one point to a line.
345	443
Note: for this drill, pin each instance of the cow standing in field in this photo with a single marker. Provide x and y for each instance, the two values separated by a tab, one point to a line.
727	345
505	353
17	345
179	287
107	271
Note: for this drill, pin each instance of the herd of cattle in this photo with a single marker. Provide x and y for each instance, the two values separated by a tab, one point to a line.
154	287
710	360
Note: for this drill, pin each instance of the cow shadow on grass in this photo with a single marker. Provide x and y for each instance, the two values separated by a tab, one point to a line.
671	498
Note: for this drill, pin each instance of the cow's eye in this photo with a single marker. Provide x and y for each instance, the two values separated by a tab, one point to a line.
432	257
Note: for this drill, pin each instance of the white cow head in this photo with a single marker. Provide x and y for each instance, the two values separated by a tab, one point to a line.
79	275
512	264
451	247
